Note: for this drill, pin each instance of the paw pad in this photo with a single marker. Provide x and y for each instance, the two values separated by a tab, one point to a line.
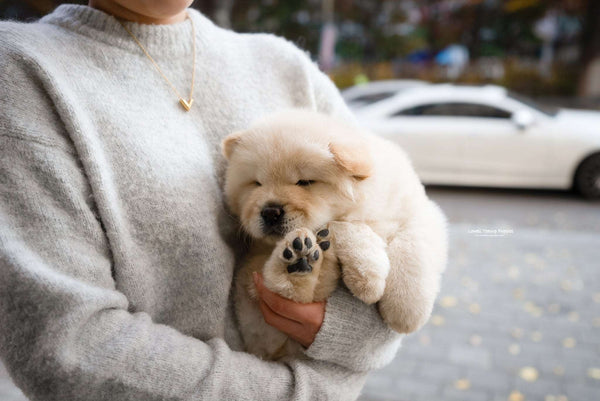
325	245
287	253
300	251
323	239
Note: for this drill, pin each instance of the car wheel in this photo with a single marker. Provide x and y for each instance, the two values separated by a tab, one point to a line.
587	178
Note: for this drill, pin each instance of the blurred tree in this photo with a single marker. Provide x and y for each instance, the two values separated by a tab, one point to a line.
220	10
29	9
297	20
589	85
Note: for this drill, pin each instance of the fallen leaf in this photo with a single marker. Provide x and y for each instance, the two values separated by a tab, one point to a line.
594	373
518	293
554	308
475	340
566	285
513	272
462	384
438	320
516	396
529	374
516	332
514	349
573	316
533	309
448	302
469	283
569	342
474	309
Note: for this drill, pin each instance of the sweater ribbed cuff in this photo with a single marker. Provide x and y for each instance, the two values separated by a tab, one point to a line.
353	335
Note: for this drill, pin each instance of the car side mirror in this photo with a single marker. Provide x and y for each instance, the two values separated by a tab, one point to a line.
523	119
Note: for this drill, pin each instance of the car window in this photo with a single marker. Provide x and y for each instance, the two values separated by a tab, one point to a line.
372	98
454	110
548	110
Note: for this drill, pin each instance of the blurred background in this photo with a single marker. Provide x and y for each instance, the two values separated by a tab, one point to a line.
497	103
539	48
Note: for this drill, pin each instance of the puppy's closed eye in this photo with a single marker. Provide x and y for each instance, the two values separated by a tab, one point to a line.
305	183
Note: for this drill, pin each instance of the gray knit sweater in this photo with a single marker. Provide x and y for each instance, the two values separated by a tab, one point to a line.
116	253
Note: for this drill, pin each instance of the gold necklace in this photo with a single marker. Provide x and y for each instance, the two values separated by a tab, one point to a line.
187	104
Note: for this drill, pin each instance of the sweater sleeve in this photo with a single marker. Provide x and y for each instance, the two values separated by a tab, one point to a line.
353	333
66	332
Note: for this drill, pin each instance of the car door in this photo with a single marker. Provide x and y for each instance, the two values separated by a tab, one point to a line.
433	140
499	152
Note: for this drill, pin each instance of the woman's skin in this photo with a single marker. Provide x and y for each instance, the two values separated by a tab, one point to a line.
144	11
300	322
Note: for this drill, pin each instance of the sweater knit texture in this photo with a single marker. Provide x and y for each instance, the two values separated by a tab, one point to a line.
116	251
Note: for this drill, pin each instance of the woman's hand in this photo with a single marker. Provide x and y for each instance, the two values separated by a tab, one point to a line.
300	322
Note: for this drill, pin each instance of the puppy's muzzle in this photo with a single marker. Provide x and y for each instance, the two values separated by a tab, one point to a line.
272	216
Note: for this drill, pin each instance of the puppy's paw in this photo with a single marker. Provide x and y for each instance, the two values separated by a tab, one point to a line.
300	251
324	238
364	260
368	285
404	319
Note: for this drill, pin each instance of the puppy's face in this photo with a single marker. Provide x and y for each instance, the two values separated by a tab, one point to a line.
283	176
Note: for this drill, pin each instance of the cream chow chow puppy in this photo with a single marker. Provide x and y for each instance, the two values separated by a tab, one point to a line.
322	200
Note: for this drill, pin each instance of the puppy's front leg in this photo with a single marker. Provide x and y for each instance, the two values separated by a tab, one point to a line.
365	263
294	266
418	253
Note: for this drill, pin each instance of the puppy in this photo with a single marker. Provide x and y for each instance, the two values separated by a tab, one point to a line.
321	199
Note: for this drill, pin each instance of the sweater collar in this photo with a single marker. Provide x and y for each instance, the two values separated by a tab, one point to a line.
159	40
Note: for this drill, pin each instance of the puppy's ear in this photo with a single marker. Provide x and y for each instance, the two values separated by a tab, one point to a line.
352	157
229	143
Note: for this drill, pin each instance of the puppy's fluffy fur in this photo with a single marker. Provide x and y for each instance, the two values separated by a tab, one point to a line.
387	239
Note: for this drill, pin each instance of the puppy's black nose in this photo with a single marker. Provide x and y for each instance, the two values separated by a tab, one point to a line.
272	215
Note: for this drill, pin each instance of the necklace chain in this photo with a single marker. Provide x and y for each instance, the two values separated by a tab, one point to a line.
186	104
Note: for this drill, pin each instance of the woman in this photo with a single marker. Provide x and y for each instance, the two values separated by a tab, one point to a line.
116	252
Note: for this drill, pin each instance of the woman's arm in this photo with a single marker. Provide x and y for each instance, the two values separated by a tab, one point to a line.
66	332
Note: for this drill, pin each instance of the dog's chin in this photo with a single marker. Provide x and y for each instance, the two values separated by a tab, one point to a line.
271	238
273	234
269	235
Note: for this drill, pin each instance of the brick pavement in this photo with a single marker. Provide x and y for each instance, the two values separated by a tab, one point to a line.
518	317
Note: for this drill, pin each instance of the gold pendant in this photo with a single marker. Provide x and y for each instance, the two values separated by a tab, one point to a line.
186	105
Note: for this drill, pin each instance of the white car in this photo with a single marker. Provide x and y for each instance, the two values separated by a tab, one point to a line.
364	94
487	136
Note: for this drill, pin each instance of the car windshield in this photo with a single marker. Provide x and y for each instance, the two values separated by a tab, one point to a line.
548	110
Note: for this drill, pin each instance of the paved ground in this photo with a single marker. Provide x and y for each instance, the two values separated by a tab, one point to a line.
519	315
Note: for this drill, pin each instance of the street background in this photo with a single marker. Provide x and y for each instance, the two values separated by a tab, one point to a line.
518	317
